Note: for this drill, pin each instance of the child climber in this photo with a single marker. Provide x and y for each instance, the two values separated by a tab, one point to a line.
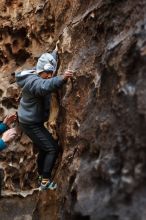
34	108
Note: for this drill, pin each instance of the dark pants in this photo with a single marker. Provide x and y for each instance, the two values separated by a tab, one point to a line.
47	146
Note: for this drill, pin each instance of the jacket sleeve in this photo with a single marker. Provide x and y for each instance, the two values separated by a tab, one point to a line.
40	87
2	145
3	127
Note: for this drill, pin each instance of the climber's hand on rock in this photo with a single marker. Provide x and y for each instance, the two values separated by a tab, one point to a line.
9	135
68	74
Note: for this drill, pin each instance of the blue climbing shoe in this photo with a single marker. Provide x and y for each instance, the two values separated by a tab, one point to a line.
48	185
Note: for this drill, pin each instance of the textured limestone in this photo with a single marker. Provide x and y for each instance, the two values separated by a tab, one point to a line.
101	123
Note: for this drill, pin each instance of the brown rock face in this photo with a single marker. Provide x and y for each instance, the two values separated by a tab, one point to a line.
101	171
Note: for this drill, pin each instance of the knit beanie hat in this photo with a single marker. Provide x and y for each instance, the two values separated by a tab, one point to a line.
46	63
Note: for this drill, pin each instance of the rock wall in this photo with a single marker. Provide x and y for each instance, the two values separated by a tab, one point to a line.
101	123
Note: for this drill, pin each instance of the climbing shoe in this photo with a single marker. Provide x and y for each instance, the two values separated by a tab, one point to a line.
48	185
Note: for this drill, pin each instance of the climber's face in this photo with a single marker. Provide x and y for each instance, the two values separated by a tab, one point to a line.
46	75
50	74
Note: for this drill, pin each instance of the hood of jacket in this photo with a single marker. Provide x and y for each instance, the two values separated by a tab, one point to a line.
21	77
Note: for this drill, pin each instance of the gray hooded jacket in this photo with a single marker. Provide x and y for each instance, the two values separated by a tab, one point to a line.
35	102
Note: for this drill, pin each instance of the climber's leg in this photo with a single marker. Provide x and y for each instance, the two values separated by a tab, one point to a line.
45	142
